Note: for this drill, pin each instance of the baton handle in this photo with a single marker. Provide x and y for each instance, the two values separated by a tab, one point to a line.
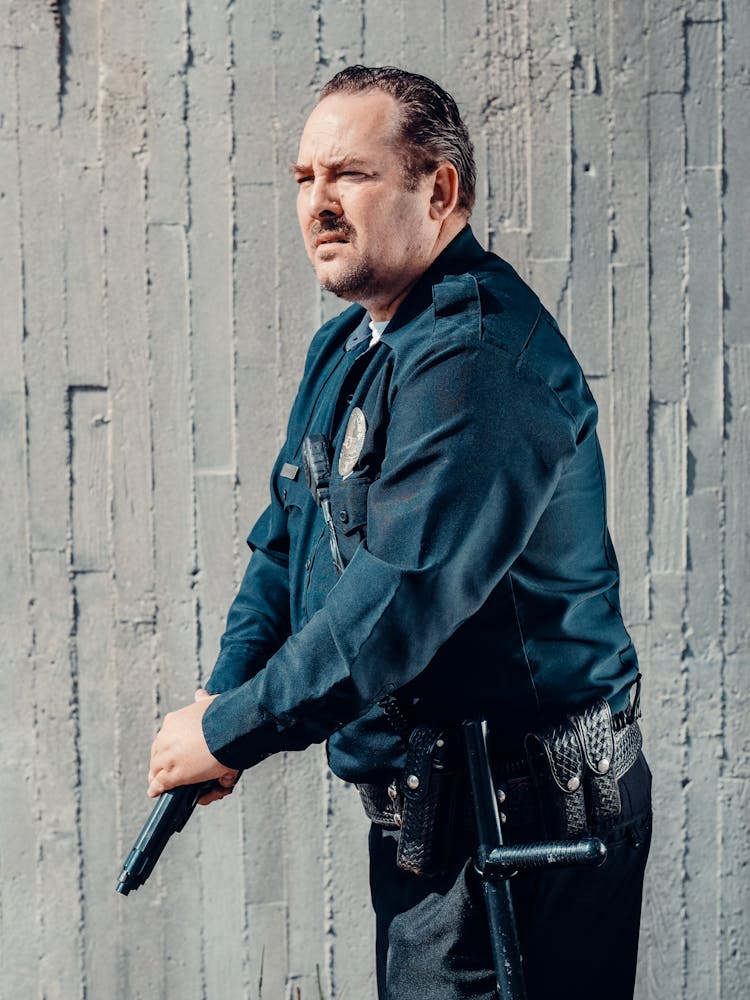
497	862
505	860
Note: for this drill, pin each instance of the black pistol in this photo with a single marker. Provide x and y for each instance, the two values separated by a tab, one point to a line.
170	813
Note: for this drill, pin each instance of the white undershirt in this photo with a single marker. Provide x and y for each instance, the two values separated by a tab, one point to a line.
377	329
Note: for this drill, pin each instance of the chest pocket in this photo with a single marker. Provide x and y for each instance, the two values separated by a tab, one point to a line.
349	510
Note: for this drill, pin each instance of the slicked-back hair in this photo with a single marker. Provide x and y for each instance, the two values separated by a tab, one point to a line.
431	128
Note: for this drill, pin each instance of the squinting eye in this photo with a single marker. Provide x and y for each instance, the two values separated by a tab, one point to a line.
304	180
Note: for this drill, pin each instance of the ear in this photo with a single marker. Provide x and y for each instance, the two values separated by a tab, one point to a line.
444	191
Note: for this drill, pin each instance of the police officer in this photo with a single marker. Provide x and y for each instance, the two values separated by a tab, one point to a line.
461	567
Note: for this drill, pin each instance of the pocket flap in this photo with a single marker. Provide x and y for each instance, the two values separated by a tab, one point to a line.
349	504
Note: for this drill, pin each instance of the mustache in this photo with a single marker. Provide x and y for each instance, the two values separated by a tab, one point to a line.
338	225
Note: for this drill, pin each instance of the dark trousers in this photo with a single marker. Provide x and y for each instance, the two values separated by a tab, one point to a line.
578	928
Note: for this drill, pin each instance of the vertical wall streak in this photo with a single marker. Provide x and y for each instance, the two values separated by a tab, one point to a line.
19	921
237	506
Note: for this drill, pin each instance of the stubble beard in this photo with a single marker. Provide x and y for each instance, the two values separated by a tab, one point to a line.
353	281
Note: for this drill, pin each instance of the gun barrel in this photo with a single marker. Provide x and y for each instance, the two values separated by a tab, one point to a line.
169	815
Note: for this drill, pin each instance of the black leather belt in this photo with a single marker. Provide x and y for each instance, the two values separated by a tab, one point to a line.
517	792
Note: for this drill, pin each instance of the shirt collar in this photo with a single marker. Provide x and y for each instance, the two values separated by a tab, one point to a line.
461	254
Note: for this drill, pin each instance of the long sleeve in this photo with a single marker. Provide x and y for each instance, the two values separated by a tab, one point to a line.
476	445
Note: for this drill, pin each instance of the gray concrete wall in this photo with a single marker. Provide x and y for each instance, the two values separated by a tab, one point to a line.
156	306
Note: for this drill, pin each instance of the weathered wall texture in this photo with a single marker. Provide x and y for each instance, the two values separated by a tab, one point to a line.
156	306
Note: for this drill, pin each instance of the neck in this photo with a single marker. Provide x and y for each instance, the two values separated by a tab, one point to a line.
383	307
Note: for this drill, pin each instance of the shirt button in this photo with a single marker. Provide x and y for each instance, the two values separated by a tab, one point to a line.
308	564
343	517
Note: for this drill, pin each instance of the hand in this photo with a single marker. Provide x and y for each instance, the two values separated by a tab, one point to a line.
180	755
227	782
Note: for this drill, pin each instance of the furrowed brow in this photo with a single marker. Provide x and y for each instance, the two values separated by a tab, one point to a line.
346	162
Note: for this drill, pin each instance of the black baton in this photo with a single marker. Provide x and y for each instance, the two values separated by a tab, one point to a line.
496	863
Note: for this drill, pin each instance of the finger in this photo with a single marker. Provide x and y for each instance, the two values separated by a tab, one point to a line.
154	767
155	789
156	749
201	694
214	795
162	780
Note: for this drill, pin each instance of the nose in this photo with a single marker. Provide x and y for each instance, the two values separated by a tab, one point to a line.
323	199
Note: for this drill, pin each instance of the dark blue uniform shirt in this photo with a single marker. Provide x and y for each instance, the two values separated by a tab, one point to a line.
480	577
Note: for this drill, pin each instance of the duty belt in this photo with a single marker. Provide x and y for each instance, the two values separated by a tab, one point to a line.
568	777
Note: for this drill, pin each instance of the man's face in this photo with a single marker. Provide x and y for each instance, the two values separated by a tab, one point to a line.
367	236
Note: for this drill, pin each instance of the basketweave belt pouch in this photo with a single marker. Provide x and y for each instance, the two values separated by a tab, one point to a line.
574	773
428	795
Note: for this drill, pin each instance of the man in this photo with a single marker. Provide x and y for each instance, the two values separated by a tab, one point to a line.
465	570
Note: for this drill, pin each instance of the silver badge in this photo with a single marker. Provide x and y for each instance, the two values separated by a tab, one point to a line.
354	440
